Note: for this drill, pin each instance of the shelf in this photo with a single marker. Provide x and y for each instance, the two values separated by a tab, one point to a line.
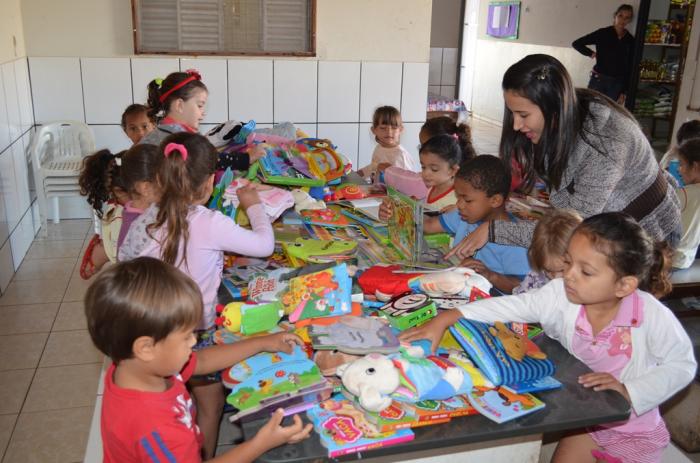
654	81
654	44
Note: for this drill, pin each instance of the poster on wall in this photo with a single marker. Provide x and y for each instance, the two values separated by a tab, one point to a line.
503	20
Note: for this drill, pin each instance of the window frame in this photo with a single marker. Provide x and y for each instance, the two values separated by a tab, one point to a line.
310	53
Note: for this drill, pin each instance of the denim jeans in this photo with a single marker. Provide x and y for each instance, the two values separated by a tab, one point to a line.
608	86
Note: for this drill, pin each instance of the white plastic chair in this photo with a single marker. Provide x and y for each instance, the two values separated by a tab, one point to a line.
57	152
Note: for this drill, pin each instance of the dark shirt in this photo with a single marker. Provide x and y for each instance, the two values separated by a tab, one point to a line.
613	55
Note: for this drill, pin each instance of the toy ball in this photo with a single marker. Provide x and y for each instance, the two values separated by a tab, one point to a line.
348	192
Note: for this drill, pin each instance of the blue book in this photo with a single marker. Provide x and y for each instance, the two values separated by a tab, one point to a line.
547	383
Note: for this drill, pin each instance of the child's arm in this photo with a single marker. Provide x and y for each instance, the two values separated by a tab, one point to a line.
217	358
503	283
240	161
432	224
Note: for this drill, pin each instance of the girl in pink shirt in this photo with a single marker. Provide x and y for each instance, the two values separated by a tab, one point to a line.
181	231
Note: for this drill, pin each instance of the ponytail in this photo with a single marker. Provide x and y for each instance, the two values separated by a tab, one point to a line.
445	125
658	281
98	175
155	107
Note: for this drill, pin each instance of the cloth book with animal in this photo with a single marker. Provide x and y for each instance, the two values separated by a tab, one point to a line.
325	293
501	405
343	429
405	225
355	335
400	415
319	251
270	380
503	356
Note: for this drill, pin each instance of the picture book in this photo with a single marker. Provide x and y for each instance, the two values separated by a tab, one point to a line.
440	410
285	165
267	381
329	217
405	226
324	293
394	417
547	383
355	335
366	209
501	405
319	251
274	200
408	310
343	429
265	287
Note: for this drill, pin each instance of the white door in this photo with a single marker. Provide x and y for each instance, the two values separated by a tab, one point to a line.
689	96
467	61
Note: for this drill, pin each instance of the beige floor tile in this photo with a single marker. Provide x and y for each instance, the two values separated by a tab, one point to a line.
45	269
19	351
54	436
69	348
14	385
77	287
66	230
55	249
34	292
7	424
32	318
63	387
71	316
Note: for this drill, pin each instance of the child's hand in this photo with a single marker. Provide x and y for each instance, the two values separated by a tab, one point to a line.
385	210
273	434
255	153
281	342
602	382
433	330
382	166
471	243
478	267
247	196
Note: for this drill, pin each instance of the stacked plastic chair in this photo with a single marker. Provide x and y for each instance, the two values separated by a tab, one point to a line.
57	152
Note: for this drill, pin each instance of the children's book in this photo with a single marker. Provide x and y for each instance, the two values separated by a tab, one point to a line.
432	411
355	335
501	405
266	287
274	200
285	165
536	385
319	251
329	217
267	381
324	293
366	209
400	415
343	429
408	310
405	226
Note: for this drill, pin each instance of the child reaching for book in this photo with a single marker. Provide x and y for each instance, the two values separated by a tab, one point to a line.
546	253
136	123
181	231
142	314
604	313
689	196
387	128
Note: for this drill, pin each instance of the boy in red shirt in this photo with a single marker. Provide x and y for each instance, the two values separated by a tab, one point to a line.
142	314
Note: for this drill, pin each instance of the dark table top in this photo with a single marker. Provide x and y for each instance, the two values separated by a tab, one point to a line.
570	407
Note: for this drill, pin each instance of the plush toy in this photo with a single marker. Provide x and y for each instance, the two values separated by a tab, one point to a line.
516	345
303	201
249	319
377	379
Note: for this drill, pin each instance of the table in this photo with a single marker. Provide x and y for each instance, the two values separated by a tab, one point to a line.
570	407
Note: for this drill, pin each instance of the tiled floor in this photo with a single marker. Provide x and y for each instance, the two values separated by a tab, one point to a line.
49	370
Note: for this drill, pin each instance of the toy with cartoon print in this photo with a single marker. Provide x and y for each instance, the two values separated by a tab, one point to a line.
408	310
355	335
249	319
319	251
325	293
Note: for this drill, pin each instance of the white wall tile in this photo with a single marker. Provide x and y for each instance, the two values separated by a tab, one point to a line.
343	136
21	239
4	121
107	89
366	146
144	70
250	90
414	93
11	100
26	142
214	76
380	86
111	137
450	61
4	226
8	187
24	94
21	179
296	91
435	66
409	138
338	91
310	129
57	92
6	266
36	217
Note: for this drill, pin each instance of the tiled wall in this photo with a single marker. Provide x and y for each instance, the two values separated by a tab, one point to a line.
18	211
443	71
328	99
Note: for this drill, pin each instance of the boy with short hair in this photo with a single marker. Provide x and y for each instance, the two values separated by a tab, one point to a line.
482	186
136	123
142	314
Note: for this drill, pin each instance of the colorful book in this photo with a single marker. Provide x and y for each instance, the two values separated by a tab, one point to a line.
325	293
547	383
405	226
408	310
355	335
343	429
400	415
436	410
319	251
329	217
501	405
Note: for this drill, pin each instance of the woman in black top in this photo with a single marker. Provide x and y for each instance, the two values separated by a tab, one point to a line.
613	54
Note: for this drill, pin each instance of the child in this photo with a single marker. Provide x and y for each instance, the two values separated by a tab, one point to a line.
482	186
136	122
387	128
180	230
179	101
687	131
689	196
601	313
444	125
142	314
100	181
546	253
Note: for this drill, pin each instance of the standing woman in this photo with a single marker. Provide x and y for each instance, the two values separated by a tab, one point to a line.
589	151
614	47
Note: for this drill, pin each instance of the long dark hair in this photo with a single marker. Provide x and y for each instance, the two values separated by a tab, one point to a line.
446	147
544	81
157	88
99	176
445	125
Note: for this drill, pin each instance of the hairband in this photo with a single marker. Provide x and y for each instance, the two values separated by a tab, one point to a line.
170	147
192	75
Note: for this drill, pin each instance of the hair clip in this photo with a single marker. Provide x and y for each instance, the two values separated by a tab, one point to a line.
170	147
118	161
194	73
543	74
158	81
455	136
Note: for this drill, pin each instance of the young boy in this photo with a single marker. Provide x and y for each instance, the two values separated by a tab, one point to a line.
142	314
136	123
482	186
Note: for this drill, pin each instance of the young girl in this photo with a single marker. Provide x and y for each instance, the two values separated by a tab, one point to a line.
387	128
445	125
548	247
136	122
603	313
689	196
180	230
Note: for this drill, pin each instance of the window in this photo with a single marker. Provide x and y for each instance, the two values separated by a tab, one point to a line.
225	27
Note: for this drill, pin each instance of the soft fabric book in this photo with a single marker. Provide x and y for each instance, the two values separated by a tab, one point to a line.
355	335
501	405
536	385
325	293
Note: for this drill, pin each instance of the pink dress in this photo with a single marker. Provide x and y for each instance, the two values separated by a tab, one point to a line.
642	438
